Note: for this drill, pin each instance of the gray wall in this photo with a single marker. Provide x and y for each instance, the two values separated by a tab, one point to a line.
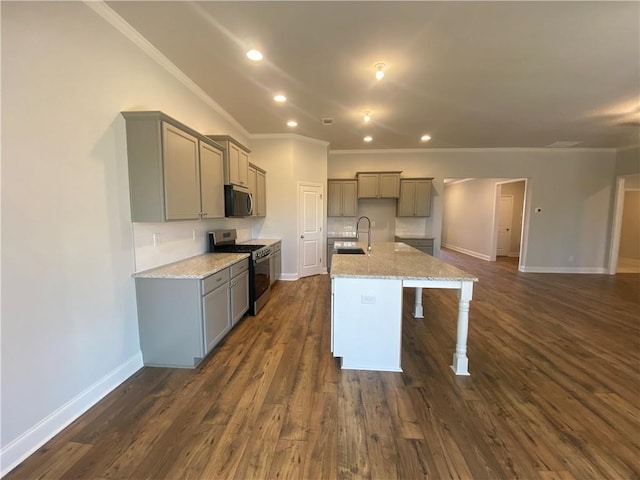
573	187
628	161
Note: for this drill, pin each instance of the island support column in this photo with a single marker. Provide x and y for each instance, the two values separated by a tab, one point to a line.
417	311
460	363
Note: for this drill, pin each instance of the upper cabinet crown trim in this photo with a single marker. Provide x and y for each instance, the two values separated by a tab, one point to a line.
228	138
161	116
383	171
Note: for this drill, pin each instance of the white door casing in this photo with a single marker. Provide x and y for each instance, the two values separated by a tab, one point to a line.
505	216
310	219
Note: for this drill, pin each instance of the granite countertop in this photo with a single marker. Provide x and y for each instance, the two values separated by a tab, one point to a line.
198	267
261	241
393	260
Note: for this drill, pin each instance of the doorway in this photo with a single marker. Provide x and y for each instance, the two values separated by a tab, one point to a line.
624	253
509	219
310	239
470	218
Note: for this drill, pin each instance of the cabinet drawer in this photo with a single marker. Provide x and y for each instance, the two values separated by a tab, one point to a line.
214	281
238	268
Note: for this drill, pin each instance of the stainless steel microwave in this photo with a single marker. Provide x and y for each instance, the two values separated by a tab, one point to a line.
238	202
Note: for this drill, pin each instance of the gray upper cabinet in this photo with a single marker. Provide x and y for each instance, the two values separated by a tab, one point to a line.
378	184
211	181
174	172
415	197
236	160
261	193
258	189
342	200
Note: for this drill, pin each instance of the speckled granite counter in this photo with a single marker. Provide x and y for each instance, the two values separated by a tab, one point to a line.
367	298
393	260
261	241
200	266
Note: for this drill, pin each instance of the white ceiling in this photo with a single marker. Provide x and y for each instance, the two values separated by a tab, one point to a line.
471	74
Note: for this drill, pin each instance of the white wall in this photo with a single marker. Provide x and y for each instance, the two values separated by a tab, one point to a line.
467	218
574	188
288	159
69	323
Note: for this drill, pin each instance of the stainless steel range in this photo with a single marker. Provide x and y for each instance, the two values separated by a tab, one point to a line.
259	265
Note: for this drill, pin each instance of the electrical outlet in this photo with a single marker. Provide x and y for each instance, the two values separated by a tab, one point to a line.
373	223
156	239
368	299
195	234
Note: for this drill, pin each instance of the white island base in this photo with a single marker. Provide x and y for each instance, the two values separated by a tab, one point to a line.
366	304
369	333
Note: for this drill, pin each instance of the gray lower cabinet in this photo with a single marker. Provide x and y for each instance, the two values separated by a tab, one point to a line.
330	243
275	262
182	319
423	244
239	288
215	305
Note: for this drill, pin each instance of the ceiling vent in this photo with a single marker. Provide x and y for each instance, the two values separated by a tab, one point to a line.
327	121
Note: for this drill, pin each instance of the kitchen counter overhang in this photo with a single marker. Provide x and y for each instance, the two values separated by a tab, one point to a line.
366	311
394	260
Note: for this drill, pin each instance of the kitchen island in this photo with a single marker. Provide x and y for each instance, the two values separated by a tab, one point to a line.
366	303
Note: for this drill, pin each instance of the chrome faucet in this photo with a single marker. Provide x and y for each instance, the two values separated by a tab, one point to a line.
368	232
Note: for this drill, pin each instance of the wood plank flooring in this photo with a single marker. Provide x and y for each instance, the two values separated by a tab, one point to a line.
554	393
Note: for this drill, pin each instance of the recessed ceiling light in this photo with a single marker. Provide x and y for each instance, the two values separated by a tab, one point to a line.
292	123
280	98
254	55
379	70
425	138
368	138
367	116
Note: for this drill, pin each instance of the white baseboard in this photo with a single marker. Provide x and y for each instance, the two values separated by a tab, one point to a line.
471	253
288	277
27	443
591	270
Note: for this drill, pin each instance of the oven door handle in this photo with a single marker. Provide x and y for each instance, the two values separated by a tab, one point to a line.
263	259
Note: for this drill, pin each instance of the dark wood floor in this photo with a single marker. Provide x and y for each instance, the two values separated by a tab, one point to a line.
554	393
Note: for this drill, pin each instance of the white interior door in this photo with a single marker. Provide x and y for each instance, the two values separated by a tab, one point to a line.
309	229
505	216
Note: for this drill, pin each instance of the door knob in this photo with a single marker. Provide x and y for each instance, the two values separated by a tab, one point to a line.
301	236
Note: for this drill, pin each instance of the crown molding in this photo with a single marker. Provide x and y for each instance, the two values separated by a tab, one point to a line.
628	147
459	150
119	23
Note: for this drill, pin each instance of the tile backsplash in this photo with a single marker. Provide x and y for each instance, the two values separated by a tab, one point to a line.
402	225
161	243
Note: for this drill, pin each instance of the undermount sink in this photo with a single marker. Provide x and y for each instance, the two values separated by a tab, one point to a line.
351	251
